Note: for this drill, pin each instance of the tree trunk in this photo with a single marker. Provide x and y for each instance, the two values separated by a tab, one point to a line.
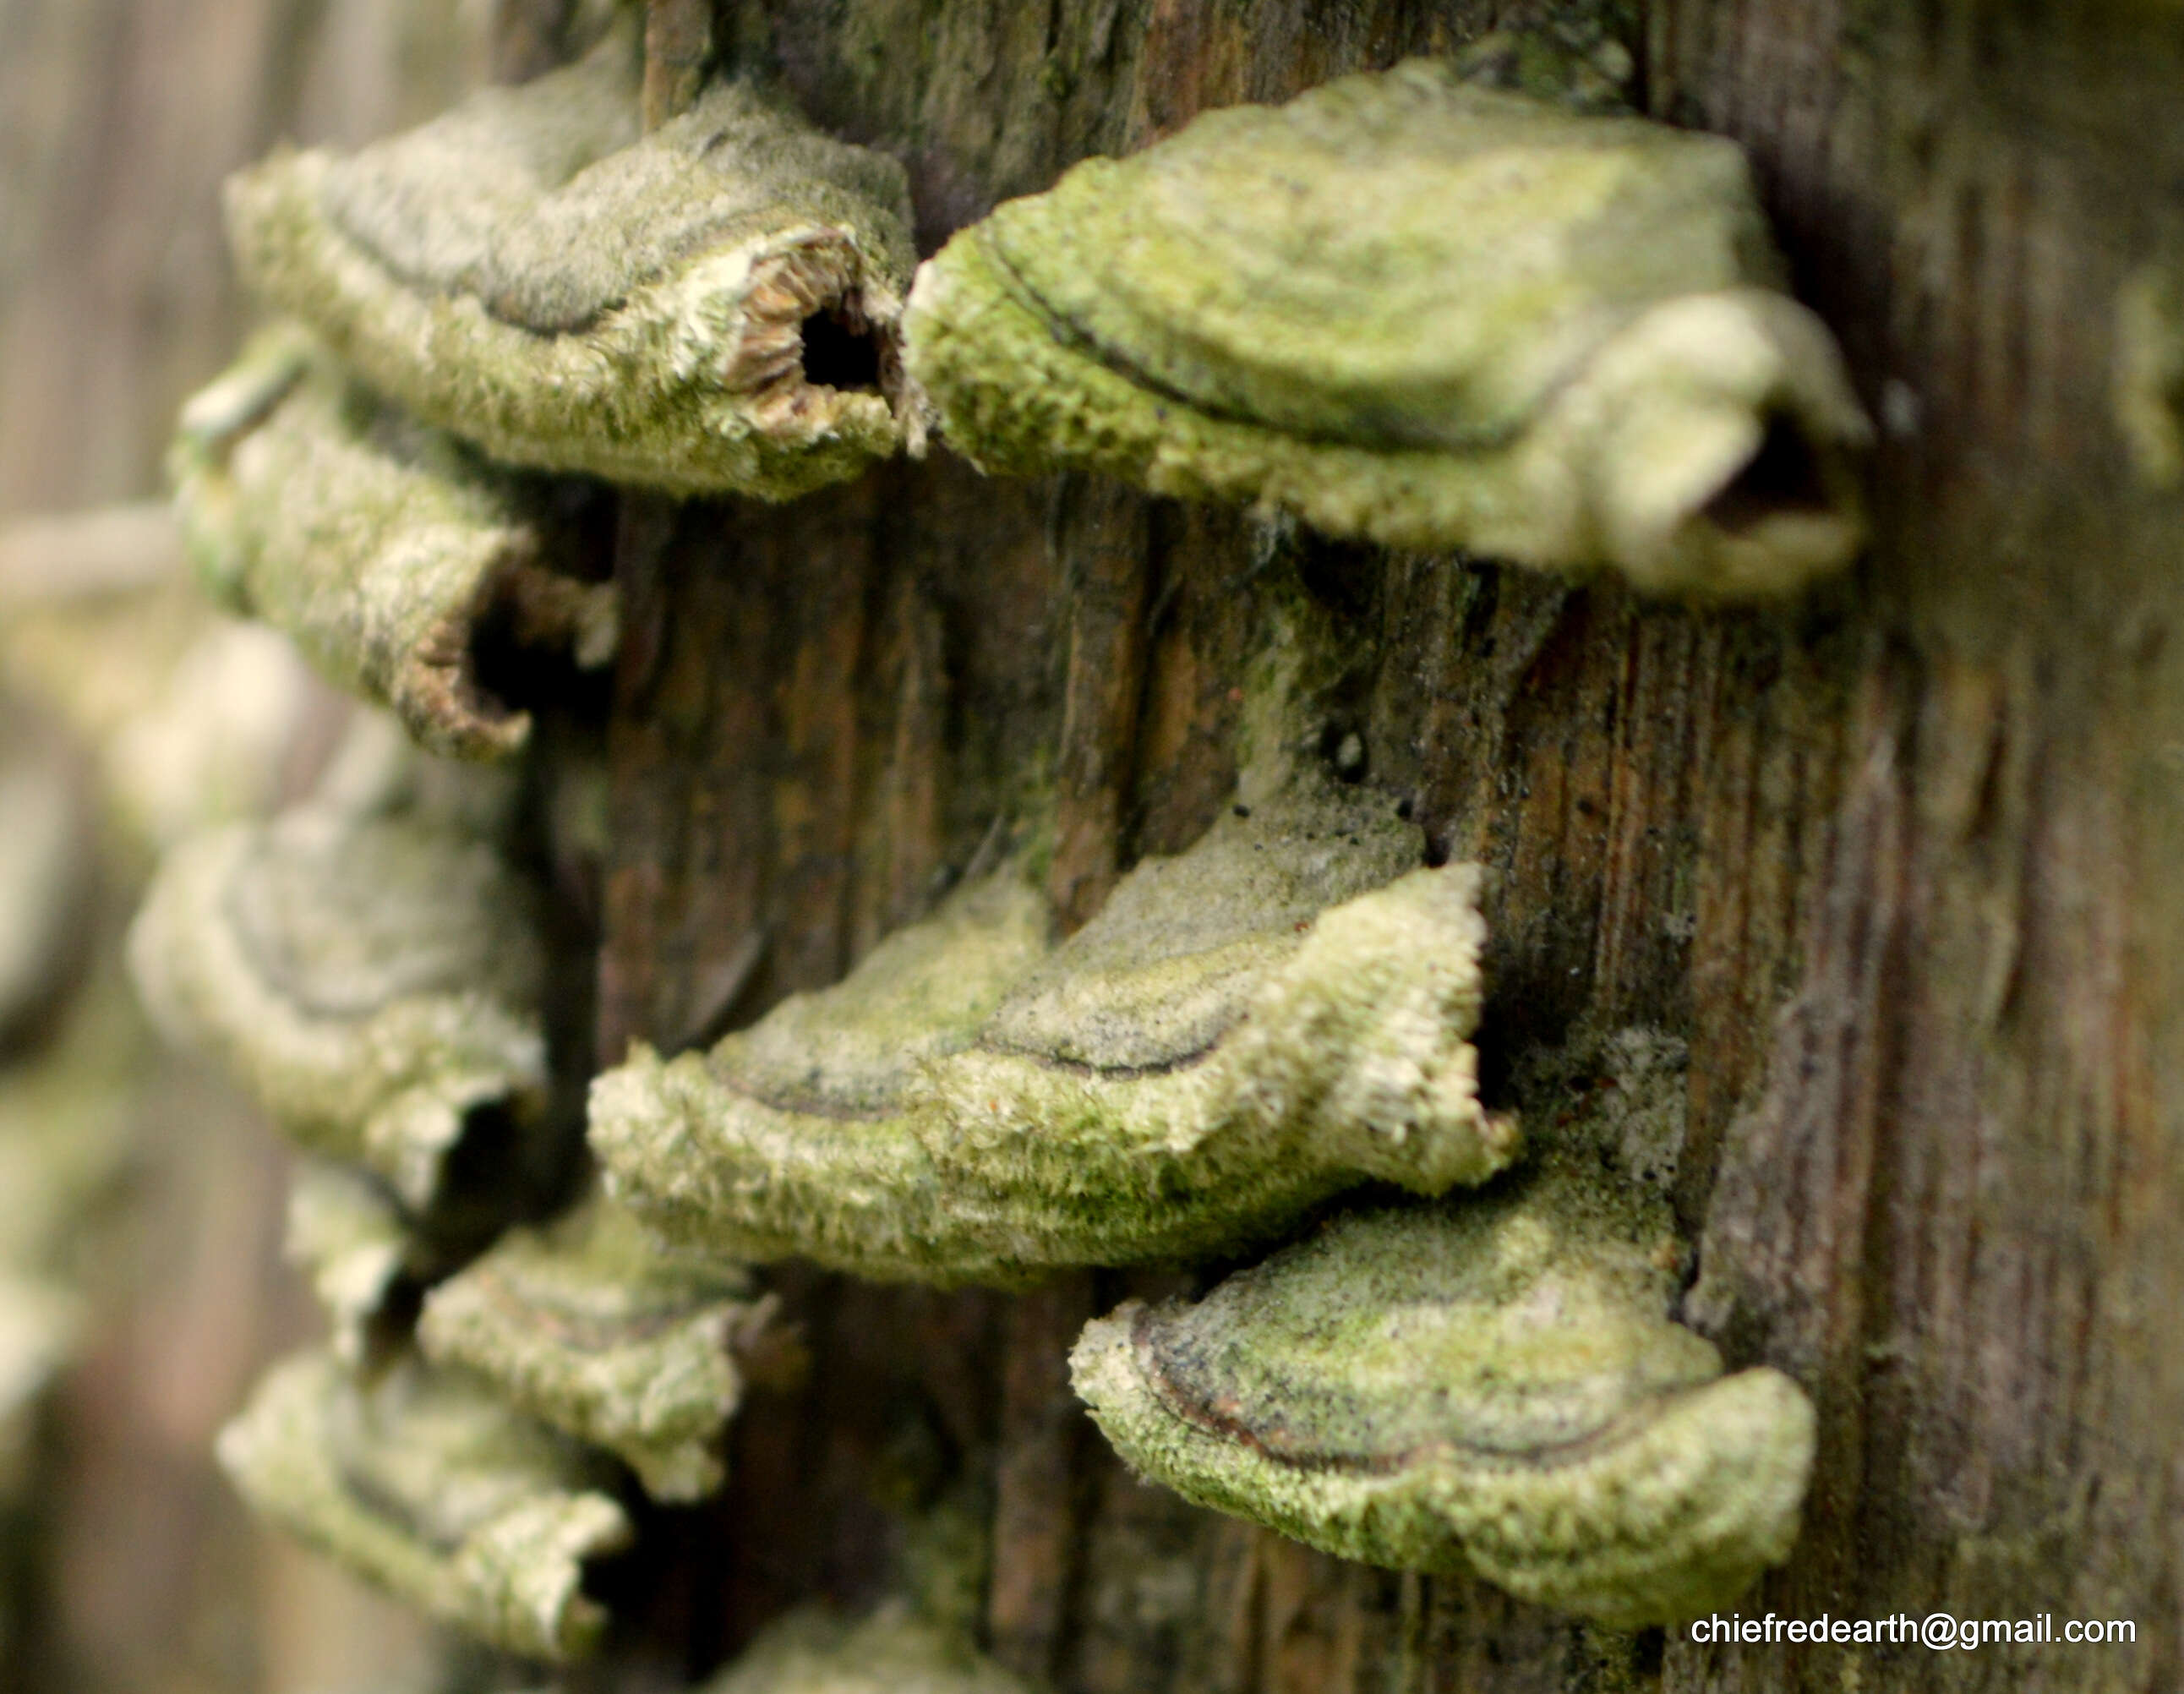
1887	859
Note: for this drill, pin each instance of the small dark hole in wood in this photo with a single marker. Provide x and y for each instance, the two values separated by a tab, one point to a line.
1784	472
837	356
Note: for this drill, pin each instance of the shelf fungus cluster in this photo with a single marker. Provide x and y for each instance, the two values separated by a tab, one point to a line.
1401	307
528	286
476	317
372	975
1243	1031
1408	307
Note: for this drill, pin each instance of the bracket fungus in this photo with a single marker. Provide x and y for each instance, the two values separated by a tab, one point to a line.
385	549
42	880
373	982
425	1483
1244	1030
1432	314
1493	1386
2149	375
708	309
351	1238
70	1111
40	1325
593	1327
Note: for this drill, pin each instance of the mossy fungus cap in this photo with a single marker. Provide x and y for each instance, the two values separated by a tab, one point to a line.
388	551
1244	1029
373	984
1492	1386
600	1330
1429	313
424	1485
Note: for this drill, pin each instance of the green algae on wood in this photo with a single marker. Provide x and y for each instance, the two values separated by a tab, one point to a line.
1242	1031
382	547
372	983
1407	308
1492	1386
708	309
598	1329
816	1651
426	1484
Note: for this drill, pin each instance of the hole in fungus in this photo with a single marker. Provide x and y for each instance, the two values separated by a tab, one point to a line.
520	654
838	354
1785	473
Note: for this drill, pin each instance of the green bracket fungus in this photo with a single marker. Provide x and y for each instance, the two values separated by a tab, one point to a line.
380	547
68	1113
814	1651
601	1332
43	881
710	308
424	1482
348	1233
373	982
1493	1387
1432	314
1242	1031
791	1137
40	1321
2149	382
